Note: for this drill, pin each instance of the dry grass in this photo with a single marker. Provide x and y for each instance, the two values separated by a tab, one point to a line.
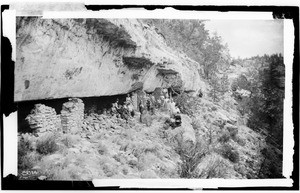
133	150
212	166
228	152
101	148
47	144
70	140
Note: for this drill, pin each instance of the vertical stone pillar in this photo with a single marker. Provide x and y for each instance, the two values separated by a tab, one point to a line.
135	101
72	115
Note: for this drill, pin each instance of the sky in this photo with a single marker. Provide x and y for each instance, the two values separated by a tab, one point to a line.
246	38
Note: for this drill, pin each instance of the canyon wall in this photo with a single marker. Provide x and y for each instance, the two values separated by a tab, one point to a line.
58	58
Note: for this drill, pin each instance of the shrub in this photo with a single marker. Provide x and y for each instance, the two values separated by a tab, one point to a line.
109	169
184	104
224	137
102	149
69	140
191	158
240	141
197	124
28	160
148	174
66	173
212	166
229	153
233	131
46	145
24	146
135	77
125	171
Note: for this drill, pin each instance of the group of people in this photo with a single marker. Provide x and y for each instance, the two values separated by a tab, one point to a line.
124	111
163	102
147	104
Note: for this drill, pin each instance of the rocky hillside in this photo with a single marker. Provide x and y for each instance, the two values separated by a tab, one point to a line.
224	107
58	58
214	143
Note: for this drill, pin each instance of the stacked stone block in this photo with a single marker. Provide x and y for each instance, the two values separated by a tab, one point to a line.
43	118
72	115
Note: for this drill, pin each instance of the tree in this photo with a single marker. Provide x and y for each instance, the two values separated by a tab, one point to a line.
213	55
219	87
266	104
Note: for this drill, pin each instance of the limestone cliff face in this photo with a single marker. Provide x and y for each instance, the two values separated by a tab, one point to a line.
59	58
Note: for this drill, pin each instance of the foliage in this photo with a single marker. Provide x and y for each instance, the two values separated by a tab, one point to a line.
212	166
69	140
216	57
102	149
135	77
185	103
270	167
240	141
191	158
196	124
266	102
28	160
240	83
225	137
26	154
191	37
24	145
228	152
174	82
47	145
183	35
233	131
219	87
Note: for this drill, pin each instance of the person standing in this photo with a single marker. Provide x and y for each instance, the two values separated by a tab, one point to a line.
165	92
128	99
141	109
158	103
151	102
114	108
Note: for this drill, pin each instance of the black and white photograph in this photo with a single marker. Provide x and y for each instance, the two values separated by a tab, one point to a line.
109	98
104	98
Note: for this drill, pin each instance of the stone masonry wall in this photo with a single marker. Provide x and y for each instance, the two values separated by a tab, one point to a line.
72	115
43	118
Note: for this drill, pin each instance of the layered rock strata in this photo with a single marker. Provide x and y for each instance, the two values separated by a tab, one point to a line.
59	58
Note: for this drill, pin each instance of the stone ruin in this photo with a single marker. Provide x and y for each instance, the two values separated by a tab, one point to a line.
42	119
72	115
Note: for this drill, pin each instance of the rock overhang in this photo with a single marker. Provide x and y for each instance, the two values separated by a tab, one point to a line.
101	57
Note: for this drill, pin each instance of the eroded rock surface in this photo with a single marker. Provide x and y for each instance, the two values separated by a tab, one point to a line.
59	58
